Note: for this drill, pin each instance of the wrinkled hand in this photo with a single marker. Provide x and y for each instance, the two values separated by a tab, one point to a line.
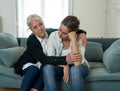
83	37
66	74
74	57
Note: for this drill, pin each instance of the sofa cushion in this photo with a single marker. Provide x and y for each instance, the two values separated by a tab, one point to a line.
99	73
111	57
94	52
10	55
7	40
10	72
1	62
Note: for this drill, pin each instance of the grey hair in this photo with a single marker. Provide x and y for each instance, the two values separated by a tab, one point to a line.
32	18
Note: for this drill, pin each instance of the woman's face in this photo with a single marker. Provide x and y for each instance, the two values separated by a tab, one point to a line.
38	29
63	32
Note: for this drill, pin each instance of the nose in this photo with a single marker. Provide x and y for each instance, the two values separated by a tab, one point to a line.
40	28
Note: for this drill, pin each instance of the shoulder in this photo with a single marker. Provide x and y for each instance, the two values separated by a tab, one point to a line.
54	38
54	35
32	39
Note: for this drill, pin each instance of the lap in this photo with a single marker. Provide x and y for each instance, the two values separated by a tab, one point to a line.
52	69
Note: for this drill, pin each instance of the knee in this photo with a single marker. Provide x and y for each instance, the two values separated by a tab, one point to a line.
74	70
75	73
80	71
31	70
48	69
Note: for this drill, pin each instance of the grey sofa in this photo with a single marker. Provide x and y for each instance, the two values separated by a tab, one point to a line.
99	78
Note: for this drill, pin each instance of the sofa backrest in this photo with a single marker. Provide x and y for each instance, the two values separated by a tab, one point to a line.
106	42
7	40
94	49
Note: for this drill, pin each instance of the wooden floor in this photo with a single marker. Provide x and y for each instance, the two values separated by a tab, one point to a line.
8	89
11	89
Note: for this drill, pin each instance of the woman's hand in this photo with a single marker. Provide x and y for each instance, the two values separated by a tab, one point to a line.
74	57
72	35
83	37
66	73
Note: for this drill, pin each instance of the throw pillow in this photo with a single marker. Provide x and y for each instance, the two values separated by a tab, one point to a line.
1	62
9	56
7	40
111	57
94	52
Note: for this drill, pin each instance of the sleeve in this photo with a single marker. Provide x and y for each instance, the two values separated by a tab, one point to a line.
50	46
81	31
37	53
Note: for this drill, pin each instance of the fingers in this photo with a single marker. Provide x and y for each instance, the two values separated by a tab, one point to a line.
83	37
66	78
84	43
66	74
76	57
72	35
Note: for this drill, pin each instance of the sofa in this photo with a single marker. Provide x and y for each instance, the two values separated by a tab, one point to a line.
100	78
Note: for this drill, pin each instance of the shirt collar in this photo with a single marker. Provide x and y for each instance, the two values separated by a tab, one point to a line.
40	39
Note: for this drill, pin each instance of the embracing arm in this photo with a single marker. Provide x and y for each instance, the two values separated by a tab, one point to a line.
36	52
80	31
82	35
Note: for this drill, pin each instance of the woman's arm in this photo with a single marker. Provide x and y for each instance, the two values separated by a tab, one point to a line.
75	48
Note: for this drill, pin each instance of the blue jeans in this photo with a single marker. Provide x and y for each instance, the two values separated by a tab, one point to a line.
77	75
33	78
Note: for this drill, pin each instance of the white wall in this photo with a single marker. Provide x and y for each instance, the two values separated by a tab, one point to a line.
8	16
113	18
92	16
